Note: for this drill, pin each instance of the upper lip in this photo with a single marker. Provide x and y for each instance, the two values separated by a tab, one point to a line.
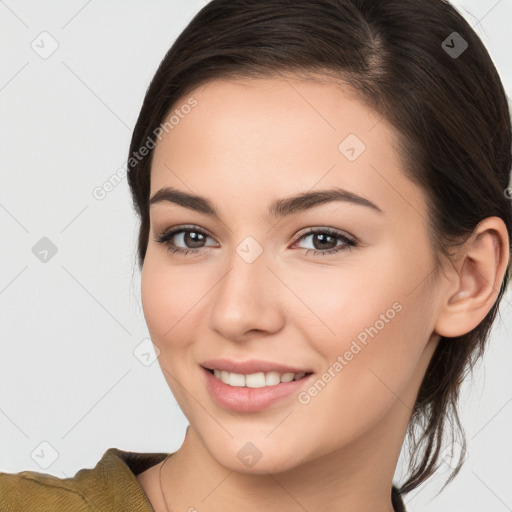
250	366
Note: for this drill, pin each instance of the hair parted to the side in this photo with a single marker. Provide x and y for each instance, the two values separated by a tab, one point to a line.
451	114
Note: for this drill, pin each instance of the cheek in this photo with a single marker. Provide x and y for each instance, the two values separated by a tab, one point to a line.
168	297
371	324
155	300
168	301
346	300
378	354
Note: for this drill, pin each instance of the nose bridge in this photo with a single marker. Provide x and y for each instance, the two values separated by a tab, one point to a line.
242	301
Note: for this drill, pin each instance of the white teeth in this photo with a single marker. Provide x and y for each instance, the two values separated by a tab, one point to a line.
256	380
287	377
237	379
272	378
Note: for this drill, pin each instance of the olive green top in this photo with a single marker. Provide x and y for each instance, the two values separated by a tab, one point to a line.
110	486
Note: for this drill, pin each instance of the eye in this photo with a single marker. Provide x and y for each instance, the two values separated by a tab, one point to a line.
191	236
325	241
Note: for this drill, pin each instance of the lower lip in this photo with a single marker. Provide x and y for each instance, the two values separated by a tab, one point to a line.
243	399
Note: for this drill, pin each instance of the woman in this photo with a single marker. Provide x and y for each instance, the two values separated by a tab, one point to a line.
324	244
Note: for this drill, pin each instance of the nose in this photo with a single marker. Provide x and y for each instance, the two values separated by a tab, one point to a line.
248	299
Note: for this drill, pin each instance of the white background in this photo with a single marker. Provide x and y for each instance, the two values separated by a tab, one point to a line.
68	327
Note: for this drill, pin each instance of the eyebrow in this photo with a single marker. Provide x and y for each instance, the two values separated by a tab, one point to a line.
279	208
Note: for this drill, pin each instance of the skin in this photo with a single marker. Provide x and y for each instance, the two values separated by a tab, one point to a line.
245	144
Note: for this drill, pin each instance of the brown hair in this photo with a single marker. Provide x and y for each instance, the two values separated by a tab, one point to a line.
450	110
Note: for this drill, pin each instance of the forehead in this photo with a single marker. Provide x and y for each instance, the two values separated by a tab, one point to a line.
279	136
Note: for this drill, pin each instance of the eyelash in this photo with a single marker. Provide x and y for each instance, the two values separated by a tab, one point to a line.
165	237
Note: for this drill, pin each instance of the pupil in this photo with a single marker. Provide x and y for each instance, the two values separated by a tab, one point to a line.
193	239
323	239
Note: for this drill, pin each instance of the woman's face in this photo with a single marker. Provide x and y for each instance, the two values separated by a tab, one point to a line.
357	316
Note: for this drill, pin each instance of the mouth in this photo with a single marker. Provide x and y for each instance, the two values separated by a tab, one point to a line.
257	379
256	391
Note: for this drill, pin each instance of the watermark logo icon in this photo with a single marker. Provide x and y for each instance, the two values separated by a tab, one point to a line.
44	250
249	249
45	45
44	454
454	45
146	352
249	454
351	147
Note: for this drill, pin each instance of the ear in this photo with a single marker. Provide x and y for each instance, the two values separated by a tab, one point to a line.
476	279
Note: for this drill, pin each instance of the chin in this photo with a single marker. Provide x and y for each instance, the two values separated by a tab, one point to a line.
257	457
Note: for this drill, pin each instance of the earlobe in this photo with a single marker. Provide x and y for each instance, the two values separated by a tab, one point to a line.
480	269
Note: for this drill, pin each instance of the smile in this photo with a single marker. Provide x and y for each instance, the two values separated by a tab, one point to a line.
255	380
250	392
